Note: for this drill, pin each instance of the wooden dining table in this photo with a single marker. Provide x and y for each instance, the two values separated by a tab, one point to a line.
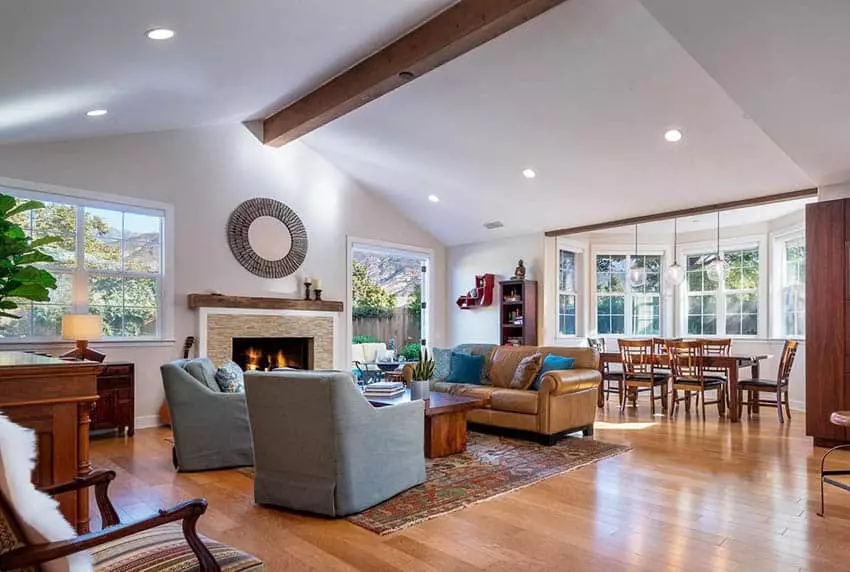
731	363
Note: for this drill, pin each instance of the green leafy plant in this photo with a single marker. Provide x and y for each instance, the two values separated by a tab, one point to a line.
19	253
412	351
424	369
363	339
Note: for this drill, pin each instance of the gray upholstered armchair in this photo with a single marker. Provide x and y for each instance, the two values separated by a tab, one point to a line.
319	446
211	429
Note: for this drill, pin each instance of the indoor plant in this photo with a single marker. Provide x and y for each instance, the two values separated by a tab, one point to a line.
422	372
19	277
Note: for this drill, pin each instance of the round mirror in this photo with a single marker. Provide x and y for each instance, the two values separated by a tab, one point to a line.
269	238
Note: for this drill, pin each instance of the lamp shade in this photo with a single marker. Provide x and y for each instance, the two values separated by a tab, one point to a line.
82	327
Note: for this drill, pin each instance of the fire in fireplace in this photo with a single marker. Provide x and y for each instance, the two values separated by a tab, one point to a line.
265	354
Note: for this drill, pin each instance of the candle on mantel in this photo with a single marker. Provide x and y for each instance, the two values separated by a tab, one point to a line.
308	280
317	284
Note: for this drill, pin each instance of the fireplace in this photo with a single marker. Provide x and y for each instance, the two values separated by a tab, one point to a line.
265	354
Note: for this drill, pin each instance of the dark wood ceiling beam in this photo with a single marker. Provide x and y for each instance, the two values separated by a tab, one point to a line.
743	203
455	31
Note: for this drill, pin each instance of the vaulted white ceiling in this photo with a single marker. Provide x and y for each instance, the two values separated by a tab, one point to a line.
230	60
582	94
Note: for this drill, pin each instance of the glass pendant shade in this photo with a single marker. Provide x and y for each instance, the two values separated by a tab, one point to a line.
637	276
637	273
716	270
675	274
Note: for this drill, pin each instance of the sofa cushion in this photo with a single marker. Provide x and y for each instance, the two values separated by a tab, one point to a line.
230	378
504	362
465	368
472	390
518	401
526	371
203	370
485	350
585	358
442	362
552	362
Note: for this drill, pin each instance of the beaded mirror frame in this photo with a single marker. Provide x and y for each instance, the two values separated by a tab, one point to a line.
237	237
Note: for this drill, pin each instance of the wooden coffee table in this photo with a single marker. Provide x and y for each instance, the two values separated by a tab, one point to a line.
445	420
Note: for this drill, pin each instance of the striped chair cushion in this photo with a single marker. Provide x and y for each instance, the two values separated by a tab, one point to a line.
164	549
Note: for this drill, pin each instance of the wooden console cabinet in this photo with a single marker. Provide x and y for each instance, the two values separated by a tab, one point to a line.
115	409
54	398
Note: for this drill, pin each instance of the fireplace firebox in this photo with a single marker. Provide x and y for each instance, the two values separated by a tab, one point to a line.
265	354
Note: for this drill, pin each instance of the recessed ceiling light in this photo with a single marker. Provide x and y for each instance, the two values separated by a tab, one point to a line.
96	113
434	198
160	34
529	173
673	135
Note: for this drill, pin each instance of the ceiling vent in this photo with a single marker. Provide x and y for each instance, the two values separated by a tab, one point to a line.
493	225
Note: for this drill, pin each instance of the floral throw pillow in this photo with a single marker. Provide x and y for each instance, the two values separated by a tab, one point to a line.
230	378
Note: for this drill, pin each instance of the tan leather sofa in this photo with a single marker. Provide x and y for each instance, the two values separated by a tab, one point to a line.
565	402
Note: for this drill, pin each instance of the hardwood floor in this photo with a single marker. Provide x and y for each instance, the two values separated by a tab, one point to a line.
690	495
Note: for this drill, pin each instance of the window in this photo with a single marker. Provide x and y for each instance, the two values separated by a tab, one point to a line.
793	287
730	307
566	293
109	263
616	299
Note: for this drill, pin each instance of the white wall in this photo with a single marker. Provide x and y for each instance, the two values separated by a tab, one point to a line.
499	257
205	173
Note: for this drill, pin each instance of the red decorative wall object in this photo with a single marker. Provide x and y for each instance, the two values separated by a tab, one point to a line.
481	295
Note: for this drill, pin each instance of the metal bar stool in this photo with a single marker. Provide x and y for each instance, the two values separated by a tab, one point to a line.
841	418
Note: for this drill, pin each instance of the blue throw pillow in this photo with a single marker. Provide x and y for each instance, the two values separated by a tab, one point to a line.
230	379
465	368
552	363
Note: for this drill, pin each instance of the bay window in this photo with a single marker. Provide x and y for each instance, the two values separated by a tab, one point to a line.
109	262
622	308
728	307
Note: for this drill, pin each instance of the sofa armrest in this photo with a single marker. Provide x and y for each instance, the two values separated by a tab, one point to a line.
569	381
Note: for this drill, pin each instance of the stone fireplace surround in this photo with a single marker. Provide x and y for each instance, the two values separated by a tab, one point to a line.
218	326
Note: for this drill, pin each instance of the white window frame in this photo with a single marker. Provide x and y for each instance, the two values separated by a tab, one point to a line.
620	250
572	290
78	197
778	241
740	243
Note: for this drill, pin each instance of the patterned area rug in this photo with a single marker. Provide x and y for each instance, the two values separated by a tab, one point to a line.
491	466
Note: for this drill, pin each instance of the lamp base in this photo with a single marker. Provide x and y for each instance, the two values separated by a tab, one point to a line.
84	352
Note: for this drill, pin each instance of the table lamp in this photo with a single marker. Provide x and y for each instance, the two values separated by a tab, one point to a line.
82	328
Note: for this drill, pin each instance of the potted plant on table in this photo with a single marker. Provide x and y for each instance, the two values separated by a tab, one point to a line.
422	373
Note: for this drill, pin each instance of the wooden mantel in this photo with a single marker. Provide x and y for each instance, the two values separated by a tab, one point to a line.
260	303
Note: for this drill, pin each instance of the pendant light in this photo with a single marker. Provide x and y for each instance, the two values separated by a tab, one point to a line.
675	274
637	273
717	268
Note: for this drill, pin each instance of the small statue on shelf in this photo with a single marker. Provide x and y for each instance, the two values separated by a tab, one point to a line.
519	271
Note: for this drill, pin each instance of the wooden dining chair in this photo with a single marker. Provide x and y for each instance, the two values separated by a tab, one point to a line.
778	386
612	380
718	347
639	360
689	376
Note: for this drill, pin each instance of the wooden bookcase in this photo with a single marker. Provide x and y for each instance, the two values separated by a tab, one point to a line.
518	312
